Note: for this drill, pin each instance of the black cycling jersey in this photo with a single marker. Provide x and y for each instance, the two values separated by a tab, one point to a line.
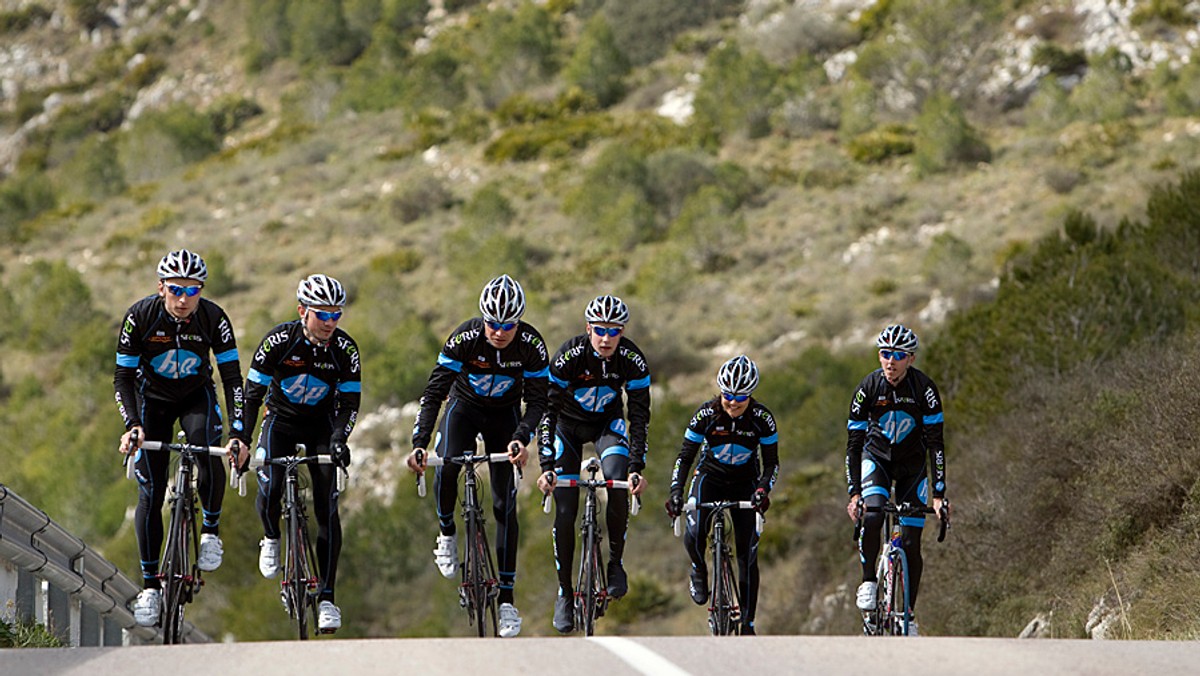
896	423
163	358
585	388
300	379
730	446
472	370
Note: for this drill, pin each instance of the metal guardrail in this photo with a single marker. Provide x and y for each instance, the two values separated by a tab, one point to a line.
53	577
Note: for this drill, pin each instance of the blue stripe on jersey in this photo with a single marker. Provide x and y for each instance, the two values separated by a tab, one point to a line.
773	439
558	381
856	424
875	490
452	364
913	521
227	355
692	436
256	376
933	419
639	384
350	386
544	373
127	360
569	477
614	450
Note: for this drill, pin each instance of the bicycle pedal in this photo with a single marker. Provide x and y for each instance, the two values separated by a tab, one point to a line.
462	599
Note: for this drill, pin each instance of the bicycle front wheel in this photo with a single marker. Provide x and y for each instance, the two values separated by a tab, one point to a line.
474	588
298	572
587	588
176	574
896	599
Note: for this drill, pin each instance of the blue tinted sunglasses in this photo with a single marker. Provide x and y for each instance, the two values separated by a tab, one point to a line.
895	355
189	291
739	398
612	332
327	316
501	326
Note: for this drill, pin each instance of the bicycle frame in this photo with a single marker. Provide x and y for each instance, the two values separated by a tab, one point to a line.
724	610
893	605
479	589
300	585
180	576
591	588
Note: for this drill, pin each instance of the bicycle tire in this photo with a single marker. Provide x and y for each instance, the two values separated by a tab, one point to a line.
585	609
174	573
899	611
491	583
312	587
718	609
299	572
734	624
473	572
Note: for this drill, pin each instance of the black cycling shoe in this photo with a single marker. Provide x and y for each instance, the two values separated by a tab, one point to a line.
564	614
698	586
748	630
618	586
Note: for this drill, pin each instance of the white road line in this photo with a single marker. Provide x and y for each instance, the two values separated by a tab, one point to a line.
639	656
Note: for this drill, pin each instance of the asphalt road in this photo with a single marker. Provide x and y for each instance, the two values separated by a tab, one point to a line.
612	656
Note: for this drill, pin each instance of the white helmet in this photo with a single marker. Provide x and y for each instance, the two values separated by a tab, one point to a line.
738	376
183	263
502	300
607	310
320	290
897	337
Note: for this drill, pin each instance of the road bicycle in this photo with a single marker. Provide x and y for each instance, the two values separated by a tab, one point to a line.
893	607
591	586
480	586
724	609
300	584
179	575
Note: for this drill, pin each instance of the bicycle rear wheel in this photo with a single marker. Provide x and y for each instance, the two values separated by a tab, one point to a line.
176	574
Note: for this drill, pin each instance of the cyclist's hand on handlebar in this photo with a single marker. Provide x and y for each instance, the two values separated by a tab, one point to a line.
638	484
674	505
239	454
124	447
546	481
416	461
340	452
761	501
941	507
854	507
517	454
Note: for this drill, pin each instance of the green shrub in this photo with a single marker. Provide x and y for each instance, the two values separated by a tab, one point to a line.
643	30
857	108
709	229
1049	108
947	261
144	73
319	35
673	175
22	18
394	264
735	94
89	13
52	303
1170	12
880	144
549	139
94	172
419	198
27	634
22	197
228	113
873	19
612	200
1180	89
597	65
161	142
513	51
1107	93
488	207
1058	60
944	138
269	33
105	113
220	277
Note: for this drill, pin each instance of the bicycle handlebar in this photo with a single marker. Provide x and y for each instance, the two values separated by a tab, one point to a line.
292	461
904	509
619	484
691	505
236	479
439	461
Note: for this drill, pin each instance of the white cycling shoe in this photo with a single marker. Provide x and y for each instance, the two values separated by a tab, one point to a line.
212	551
446	555
329	617
510	621
147	607
912	628
865	597
268	557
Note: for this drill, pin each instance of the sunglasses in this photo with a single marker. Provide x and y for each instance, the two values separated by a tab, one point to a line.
189	291
895	355
327	316
613	332
501	326
739	398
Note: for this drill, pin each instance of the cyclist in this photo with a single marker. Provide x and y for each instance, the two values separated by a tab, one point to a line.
163	375
895	425
586	378
487	366
738	444
308	372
